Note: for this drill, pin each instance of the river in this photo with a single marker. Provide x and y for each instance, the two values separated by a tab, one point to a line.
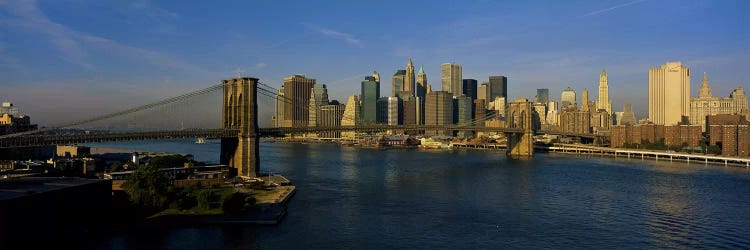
352	198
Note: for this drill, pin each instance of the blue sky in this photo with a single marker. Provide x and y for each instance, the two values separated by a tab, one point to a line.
69	59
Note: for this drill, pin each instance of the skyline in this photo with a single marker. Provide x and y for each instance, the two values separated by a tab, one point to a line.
142	51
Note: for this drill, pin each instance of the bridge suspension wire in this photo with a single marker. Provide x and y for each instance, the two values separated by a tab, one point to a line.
123	112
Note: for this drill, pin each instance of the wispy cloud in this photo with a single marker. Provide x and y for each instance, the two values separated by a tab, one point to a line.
152	10
74	46
597	12
260	65
346	37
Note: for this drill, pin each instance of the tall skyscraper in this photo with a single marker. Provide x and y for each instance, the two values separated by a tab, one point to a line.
438	110
628	117
450	77
421	86
313	110
498	87
706	104
369	99
469	87
585	100
297	89
568	99
542	96
603	103
668	93
463	107
397	82
421	89
376	75
409	79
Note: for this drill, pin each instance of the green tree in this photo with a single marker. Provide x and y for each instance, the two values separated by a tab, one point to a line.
168	161
147	186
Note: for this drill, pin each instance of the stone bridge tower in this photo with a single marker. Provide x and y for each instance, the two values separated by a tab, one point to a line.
240	111
520	144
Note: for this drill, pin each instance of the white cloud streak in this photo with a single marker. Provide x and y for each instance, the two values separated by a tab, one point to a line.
611	8
74	46
346	37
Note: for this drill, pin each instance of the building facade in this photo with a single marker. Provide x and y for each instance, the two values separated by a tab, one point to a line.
498	87
397	82
369	97
706	104
438	111
351	116
409	79
450	78
668	93
603	102
542	96
297	89
469	87
568	99
331	117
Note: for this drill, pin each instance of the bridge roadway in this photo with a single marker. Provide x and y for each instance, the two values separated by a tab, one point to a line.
92	137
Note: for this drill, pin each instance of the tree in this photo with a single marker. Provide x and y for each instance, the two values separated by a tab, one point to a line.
117	166
168	161
147	186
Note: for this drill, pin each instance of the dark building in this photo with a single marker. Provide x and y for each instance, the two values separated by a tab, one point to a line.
498	87
370	95
470	88
542	96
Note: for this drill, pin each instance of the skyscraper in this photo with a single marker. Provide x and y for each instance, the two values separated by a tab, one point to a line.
297	89
498	87
313	109
438	110
628	117
470	88
321	94
483	92
397	82
450	77
585	100
421	86
668	93
331	116
421	89
409	79
462	109
369	99
568	99
603	103
542	96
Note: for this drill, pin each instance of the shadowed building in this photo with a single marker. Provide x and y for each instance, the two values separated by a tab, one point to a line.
542	96
397	82
369	99
470	88
297	89
438	111
498	87
330	117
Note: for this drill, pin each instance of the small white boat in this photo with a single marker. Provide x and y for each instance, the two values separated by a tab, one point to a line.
200	140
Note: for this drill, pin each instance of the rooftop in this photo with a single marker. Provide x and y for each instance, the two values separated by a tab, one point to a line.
20	187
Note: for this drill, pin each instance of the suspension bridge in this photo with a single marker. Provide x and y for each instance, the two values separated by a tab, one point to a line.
238	129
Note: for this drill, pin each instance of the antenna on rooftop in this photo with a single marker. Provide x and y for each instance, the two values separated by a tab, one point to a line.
239	73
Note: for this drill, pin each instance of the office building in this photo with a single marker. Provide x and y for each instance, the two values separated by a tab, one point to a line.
438	111
397	82
463	106
297	89
369	98
628	117
706	104
552	114
498	87
542	96
568	99
409	79
668	93
450	78
469	87
313	108
603	103
330	117
483	92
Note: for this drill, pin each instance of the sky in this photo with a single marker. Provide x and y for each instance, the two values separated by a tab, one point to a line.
64	60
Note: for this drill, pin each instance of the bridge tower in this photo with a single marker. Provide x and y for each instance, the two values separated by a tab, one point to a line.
520	117
240	111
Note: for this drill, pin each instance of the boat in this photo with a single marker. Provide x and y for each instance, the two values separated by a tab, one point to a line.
200	140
